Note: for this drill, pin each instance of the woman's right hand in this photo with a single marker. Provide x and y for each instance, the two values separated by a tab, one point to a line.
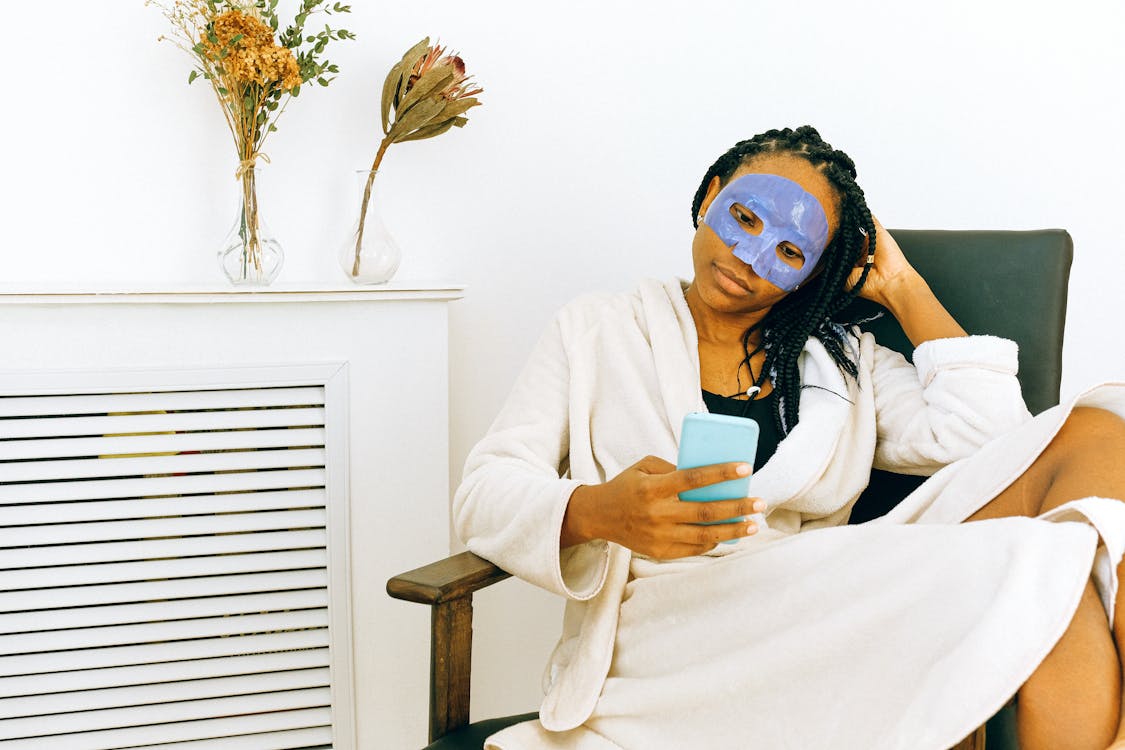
640	509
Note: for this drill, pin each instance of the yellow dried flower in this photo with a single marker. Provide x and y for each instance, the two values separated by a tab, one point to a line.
285	67
254	57
230	24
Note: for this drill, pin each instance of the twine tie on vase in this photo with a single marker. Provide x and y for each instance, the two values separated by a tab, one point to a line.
249	163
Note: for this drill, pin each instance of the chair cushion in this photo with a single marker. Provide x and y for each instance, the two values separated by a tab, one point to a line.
472	737
1000	733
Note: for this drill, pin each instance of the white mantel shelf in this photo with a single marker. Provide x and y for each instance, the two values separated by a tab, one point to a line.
210	293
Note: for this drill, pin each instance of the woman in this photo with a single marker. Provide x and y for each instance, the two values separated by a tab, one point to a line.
905	632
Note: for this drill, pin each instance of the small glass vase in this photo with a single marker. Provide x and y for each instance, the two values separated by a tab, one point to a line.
250	255
370	255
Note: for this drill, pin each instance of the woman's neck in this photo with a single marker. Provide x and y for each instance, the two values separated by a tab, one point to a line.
717	328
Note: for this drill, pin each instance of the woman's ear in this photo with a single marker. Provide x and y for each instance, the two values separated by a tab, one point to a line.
713	189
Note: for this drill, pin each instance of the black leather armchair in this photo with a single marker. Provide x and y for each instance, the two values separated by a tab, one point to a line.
1010	284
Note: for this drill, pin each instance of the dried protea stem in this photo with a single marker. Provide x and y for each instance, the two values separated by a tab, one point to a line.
386	143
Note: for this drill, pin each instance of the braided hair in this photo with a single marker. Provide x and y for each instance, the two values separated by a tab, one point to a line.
812	309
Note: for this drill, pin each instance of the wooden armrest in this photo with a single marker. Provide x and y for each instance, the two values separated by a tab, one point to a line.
448	586
451	578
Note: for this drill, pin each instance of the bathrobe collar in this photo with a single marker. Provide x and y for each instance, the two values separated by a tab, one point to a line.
802	457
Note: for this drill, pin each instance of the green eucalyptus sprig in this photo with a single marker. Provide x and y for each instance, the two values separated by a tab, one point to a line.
307	59
425	94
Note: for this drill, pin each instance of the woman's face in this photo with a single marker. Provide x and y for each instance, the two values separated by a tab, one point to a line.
723	281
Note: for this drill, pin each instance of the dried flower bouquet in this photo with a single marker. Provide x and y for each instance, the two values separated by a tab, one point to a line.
254	77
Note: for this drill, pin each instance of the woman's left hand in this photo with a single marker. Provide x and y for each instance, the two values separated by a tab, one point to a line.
890	271
894	284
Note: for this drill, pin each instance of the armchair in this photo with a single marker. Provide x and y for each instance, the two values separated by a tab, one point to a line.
1007	283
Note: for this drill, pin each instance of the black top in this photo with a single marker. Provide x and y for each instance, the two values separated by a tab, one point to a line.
760	410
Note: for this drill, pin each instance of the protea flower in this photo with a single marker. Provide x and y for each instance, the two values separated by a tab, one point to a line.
429	93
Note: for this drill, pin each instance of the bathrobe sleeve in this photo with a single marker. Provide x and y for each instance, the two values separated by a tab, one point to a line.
514	493
959	394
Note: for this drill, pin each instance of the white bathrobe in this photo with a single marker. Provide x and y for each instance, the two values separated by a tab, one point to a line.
905	632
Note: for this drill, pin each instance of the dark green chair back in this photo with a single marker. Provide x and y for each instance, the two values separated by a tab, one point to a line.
1009	284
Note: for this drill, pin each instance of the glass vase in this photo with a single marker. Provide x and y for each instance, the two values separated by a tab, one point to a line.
370	255
250	254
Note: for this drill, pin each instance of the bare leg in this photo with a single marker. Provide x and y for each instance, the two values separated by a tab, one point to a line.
1073	700
1119	638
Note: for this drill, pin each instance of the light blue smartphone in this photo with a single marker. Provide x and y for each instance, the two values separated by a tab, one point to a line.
707	439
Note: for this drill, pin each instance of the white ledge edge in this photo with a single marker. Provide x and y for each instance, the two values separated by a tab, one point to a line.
207	293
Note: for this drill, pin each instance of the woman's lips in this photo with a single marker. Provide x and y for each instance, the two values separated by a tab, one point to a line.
728	281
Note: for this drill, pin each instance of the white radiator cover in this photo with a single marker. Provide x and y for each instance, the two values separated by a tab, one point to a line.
195	536
173	561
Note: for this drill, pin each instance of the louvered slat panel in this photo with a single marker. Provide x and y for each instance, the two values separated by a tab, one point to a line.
90	721
38	471
84	596
210	729
155	528
155	486
143	674
176	421
146	653
149	507
44	406
147	570
84	554
13	450
164	692
118	635
163	568
297	739
62	621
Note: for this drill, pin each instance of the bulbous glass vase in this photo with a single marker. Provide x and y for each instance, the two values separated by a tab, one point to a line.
370	255
250	254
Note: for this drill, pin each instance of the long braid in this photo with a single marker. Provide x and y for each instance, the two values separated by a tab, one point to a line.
812	309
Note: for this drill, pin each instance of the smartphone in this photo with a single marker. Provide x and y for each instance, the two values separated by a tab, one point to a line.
707	439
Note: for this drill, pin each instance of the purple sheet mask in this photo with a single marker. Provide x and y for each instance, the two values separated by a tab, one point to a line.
787	213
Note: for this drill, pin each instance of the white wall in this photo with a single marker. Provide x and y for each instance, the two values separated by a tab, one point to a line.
578	172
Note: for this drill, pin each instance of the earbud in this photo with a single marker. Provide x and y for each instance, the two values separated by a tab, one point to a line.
753	391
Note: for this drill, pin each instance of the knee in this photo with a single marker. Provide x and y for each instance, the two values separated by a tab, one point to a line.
1092	426
1088	434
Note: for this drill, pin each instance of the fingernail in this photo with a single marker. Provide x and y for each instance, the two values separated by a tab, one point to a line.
759	506
742	470
751	528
